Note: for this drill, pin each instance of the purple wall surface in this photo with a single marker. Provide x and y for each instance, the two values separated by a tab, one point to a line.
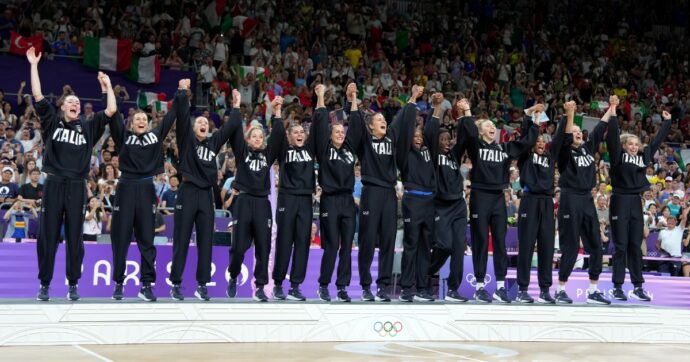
18	276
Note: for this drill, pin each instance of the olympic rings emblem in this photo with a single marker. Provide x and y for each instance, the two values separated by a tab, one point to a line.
387	328
473	281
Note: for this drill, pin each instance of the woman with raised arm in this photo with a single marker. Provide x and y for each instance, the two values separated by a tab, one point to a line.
194	207
490	176
449	204
294	211
629	181
254	219
336	156
577	216
419	180
141	158
536	222
379	204
69	142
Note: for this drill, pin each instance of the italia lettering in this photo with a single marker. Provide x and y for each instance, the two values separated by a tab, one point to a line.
205	154
584	161
68	136
298	156
444	160
345	156
383	148
256	164
489	155
145	140
635	160
425	155
540	160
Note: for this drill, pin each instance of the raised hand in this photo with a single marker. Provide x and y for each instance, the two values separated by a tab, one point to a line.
184	84
463	106
570	107
277	106
237	98
351	92
666	115
104	79
614	101
32	56
320	90
436	99
417	91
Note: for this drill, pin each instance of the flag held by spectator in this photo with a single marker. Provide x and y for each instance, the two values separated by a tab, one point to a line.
155	100
20	44
145	70
260	73
108	54
214	12
245	24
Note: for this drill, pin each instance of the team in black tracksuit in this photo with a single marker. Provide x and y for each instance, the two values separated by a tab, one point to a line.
536	219
254	219
577	216
489	176
450	208
294	215
134	209
66	159
629	181
378	207
419	179
337	208
195	204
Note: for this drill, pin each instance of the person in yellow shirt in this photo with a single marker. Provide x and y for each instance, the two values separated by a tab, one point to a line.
353	55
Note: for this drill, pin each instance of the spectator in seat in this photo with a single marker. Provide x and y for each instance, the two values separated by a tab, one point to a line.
670	243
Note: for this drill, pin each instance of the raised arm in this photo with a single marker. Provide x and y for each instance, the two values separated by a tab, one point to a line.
467	127
184	130
169	118
403	126
519	147
597	134
232	126
111	106
559	137
278	138
659	138
319	127
35	79
356	129
432	126
684	217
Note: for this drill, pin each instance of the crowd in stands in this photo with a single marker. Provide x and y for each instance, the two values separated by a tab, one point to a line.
503	56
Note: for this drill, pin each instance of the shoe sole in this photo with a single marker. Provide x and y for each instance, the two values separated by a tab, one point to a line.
420	299
368	299
559	301
482	301
405	300
143	297
521	301
618	299
295	299
344	300
198	296
454	300
42	300
544	301
633	296
596	302
278	298
386	300
496	298
259	299
177	299
72	299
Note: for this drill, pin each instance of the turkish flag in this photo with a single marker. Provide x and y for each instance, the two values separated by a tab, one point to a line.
20	44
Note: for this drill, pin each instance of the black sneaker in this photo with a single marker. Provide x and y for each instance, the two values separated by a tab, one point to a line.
482	296
260	295
545	298
176	292
423	296
43	295
73	293
501	295
618	294
367	296
406	296
381	295
201	293
295	294
324	294
455	297
146	294
597	298
118	292
342	295
640	294
278	293
232	288
524	297
562	298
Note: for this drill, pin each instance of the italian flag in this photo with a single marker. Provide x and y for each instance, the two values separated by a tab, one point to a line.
108	53
261	72
145	70
155	100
